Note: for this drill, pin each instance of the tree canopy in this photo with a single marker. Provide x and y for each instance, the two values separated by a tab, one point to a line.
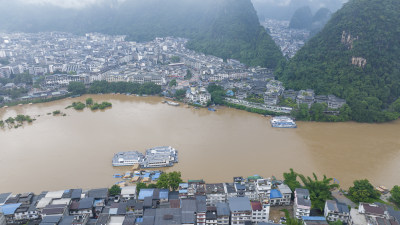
114	190
332	62
76	88
395	192
363	191
169	180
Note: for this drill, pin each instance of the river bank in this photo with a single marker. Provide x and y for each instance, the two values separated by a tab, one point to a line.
215	146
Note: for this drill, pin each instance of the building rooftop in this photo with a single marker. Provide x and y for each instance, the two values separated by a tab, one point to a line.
101	193
256	206
4	197
223	209
239	204
86	203
275	193
284	189
215	188
168	216
9	209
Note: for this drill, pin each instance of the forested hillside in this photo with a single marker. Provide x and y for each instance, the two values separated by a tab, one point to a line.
357	57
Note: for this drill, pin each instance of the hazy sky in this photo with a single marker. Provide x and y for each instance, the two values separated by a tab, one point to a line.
83	3
69	3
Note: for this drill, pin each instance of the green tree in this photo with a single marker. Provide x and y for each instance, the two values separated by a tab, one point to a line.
172	83
1	124
1	99
291	220
302	113
163	181
78	105
394	107
336	223
10	121
290	179
140	186
152	186
395	192
89	101
76	88
320	190
180	94
175	59
363	191
174	179
114	190
188	75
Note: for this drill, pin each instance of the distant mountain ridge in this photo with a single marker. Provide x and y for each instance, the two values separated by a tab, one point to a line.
357	57
236	34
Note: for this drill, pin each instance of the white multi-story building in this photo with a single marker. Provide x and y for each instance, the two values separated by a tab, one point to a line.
215	193
223	213
286	194
198	96
302	203
2	219
263	188
260	212
240	210
335	211
128	192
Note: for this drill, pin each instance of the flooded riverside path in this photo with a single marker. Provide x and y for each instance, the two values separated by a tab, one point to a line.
75	151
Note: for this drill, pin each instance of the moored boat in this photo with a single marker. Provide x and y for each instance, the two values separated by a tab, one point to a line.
283	122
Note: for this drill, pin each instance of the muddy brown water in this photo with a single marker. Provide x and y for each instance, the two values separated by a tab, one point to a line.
75	151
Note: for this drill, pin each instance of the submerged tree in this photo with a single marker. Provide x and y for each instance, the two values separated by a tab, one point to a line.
290	179
363	191
320	190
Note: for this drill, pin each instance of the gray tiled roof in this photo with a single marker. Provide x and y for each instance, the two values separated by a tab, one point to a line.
100	193
168	216
239	204
86	203
223	209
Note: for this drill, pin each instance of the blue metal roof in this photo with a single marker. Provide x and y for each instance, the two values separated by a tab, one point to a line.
146	175
145	193
184	191
275	193
9	209
184	185
164	194
156	176
313	218
139	220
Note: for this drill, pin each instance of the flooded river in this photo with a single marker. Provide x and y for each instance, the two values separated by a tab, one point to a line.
57	152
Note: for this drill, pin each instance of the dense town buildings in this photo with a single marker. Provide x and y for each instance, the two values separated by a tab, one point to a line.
55	59
195	202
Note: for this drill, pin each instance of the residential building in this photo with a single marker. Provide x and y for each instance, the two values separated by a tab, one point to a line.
223	213
275	197
2	219
241	210
84	206
357	218
201	204
215	193
286	194
306	97
263	188
302	203
314	220
259	212
128	192
335	211
211	216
